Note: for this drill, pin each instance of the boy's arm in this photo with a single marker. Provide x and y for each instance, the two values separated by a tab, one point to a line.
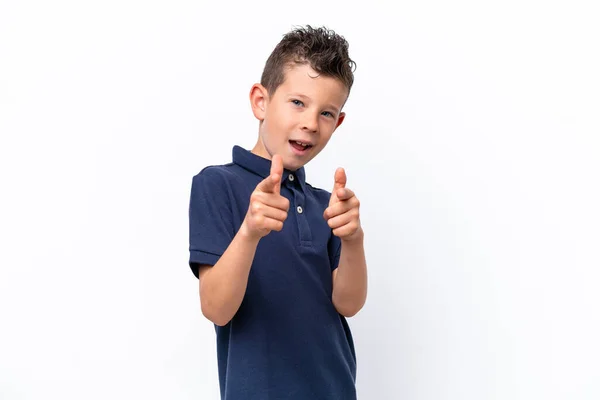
222	287
350	277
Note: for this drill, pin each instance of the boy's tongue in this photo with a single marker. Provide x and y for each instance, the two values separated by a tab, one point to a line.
298	146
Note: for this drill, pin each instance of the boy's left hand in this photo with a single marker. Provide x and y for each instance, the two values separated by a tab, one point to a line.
342	214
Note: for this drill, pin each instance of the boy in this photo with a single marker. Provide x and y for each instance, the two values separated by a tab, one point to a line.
280	263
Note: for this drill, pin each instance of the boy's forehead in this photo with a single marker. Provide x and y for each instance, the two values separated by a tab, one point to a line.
302	79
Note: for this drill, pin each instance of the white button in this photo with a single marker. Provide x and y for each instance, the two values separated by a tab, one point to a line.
299	210
291	177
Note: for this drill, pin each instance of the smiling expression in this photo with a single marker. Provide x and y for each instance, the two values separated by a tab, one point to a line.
298	120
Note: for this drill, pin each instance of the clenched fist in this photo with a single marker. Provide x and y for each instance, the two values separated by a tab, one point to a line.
268	209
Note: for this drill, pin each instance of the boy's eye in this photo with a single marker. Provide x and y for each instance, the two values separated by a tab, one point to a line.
300	103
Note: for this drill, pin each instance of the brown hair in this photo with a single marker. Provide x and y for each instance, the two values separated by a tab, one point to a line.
325	51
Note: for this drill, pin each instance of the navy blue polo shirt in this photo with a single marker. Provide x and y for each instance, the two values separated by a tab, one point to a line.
286	341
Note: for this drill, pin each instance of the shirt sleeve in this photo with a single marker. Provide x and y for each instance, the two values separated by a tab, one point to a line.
210	217
334	247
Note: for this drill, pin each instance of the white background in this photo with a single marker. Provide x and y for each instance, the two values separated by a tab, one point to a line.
472	140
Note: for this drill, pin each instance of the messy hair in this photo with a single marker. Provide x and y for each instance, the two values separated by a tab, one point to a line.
322	49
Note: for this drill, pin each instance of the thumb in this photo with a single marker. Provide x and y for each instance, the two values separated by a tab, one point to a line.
272	183
276	172
340	179
339	182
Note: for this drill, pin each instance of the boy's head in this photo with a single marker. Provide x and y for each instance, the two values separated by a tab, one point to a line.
305	83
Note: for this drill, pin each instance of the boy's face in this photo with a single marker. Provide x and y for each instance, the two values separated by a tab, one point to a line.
305	108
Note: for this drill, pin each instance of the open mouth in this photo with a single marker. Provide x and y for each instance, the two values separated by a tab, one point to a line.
300	146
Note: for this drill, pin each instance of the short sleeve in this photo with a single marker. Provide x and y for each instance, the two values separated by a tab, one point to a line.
210	218
334	247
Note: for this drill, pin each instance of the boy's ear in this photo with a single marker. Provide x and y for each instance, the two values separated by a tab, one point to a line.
340	119
259	98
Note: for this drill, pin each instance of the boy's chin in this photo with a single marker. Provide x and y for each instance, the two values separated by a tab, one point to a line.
293	163
292	166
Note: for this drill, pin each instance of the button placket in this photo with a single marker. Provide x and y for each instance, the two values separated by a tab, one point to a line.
304	232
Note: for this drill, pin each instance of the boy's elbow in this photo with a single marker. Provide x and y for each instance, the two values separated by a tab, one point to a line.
213	315
348	313
347	310
220	322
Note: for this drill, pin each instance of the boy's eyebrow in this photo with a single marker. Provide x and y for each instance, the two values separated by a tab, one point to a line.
308	98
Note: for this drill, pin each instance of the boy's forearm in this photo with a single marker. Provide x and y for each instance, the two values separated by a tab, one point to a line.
350	280
223	286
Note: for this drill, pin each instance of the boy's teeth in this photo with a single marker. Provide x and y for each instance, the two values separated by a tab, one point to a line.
301	144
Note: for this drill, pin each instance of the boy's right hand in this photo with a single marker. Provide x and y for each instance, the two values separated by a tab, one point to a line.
268	208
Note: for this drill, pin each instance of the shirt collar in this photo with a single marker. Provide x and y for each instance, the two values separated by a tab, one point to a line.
262	166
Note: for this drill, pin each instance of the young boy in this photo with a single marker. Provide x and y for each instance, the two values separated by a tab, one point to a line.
281	264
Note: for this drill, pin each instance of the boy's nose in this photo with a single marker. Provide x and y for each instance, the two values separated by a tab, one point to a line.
310	122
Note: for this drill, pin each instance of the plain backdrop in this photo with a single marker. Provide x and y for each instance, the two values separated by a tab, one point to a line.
471	139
